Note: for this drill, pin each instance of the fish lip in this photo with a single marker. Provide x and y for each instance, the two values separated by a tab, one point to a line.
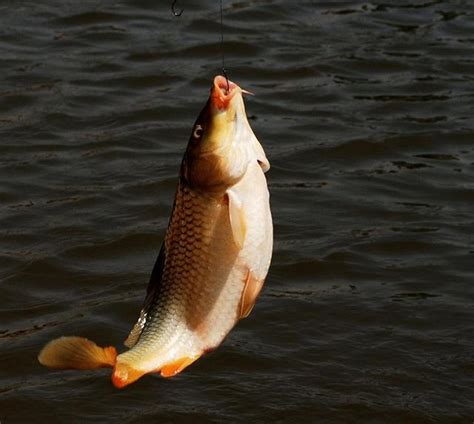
220	95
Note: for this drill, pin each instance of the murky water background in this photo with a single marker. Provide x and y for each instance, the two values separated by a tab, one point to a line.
365	110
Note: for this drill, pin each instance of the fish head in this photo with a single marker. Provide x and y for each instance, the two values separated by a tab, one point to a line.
220	146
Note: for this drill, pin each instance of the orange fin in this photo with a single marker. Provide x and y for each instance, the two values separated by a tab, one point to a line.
76	353
249	295
176	367
125	374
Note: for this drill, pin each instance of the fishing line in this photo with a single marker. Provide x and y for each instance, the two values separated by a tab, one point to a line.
222	48
175	13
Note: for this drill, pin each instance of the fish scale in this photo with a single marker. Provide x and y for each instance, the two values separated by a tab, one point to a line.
182	303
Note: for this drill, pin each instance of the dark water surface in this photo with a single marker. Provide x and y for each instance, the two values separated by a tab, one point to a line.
365	110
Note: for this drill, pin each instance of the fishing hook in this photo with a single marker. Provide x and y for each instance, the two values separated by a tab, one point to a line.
222	49
226	78
222	38
174	11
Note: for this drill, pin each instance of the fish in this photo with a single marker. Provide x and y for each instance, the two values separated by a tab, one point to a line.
214	258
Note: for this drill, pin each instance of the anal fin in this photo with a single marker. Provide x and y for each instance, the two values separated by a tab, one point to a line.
173	368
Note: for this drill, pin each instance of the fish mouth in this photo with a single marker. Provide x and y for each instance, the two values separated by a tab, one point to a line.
223	91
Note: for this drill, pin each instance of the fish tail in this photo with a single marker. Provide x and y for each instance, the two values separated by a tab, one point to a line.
77	353
125	374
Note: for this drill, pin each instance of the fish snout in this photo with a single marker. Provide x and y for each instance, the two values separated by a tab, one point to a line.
223	91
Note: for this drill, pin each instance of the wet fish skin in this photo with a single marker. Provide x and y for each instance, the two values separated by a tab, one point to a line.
207	258
214	258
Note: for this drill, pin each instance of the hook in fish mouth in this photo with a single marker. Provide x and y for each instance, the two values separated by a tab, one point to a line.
224	90
224	86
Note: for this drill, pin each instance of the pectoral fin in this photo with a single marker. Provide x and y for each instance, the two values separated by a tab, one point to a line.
251	290
237	218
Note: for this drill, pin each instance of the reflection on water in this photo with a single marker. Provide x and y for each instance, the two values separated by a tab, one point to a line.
365	111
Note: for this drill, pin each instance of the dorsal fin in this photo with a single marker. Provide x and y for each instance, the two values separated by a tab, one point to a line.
152	289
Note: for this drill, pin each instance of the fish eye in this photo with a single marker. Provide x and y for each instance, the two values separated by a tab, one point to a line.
197	133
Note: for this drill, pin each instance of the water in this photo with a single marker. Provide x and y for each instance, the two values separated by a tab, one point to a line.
365	110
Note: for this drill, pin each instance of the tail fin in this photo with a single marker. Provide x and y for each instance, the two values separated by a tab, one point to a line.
76	353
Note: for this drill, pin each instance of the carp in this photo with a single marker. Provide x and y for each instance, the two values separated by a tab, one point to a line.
213	260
